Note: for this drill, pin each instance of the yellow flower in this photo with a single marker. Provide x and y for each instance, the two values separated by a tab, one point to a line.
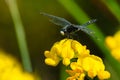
79	49
110	42
65	50
103	75
22	76
52	59
85	63
77	72
10	69
92	65
116	53
113	43
75	75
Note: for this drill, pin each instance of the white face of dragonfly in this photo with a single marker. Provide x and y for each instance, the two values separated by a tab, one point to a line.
62	33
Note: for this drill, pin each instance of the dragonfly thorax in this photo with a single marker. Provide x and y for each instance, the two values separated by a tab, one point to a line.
68	30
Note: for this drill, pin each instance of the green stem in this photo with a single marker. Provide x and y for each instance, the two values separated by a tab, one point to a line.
12	4
114	7
82	17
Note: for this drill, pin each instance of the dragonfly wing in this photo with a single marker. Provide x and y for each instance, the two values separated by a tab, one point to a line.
86	30
89	22
57	20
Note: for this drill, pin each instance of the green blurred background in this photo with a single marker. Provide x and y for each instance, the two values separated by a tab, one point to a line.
41	34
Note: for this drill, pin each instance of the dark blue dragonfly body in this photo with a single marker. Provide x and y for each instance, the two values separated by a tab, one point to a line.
69	28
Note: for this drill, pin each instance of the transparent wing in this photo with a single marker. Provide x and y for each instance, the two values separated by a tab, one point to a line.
57	20
88	31
85	29
89	22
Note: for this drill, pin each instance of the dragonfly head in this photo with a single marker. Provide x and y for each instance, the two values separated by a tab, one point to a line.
63	32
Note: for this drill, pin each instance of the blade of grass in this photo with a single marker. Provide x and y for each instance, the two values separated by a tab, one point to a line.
114	7
82	17
20	34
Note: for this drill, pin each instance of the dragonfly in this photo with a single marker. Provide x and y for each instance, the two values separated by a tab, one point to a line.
67	27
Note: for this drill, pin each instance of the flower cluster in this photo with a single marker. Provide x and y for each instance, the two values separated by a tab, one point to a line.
113	43
10	69
85	65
